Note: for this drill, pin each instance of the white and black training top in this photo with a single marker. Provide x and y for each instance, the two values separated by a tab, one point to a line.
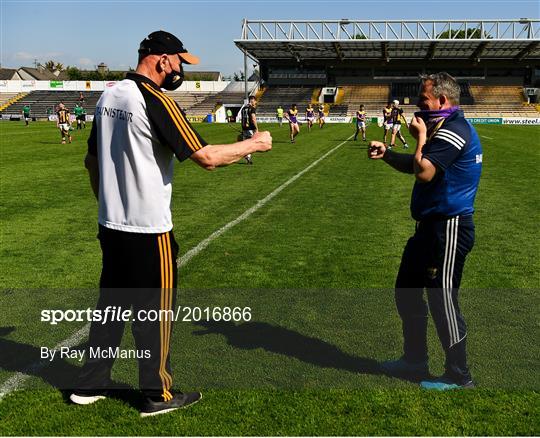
137	131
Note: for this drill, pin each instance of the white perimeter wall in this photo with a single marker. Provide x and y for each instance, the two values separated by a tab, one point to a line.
27	86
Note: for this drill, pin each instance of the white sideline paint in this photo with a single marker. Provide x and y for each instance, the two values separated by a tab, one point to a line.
18	379
204	243
485	136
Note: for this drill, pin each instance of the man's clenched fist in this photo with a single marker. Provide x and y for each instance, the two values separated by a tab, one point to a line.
376	150
263	141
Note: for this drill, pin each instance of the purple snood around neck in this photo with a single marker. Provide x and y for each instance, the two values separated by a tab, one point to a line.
432	117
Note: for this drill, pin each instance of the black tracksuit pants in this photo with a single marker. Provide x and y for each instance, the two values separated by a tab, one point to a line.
139	273
434	258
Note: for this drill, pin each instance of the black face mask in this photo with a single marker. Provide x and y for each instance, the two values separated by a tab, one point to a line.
173	80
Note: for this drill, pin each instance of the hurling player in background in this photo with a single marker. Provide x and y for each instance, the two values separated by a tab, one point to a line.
387	120
397	117
292	117
249	122
310	116
361	117
321	116
63	122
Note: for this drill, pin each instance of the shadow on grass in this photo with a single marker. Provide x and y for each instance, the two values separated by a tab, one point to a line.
25	358
280	340
59	373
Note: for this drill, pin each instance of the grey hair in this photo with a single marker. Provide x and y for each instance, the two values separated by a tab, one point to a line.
443	84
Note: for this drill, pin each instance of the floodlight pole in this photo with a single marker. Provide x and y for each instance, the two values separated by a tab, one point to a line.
245	77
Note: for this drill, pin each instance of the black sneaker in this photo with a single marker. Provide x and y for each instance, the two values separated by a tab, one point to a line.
402	368
80	398
180	400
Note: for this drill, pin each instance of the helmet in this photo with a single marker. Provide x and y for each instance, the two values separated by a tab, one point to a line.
395	102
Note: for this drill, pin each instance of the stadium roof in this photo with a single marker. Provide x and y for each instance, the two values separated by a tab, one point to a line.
411	39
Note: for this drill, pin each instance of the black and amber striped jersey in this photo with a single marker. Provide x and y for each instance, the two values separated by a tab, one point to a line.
248	114
136	133
387	115
63	116
396	116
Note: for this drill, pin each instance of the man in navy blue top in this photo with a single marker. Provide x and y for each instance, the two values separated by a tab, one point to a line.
447	164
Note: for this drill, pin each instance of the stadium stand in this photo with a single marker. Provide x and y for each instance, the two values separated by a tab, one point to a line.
187	99
409	91
390	55
339	110
476	100
489	100
213	101
7	99
373	97
284	96
43	103
495	93
233	94
499	101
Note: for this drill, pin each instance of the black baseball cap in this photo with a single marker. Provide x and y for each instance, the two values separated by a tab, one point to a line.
160	42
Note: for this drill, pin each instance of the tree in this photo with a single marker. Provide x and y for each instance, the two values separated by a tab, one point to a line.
74	74
239	76
52	66
472	33
360	36
198	77
49	65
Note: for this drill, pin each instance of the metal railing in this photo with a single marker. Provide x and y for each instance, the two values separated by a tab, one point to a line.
388	30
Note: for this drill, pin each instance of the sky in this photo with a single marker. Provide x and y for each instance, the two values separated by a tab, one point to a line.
86	33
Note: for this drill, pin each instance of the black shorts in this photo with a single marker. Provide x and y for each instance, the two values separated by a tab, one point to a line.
247	133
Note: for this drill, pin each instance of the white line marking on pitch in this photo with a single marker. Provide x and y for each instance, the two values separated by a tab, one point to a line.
485	136
204	243
18	379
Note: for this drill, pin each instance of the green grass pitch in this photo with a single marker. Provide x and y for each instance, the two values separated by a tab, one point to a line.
316	264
